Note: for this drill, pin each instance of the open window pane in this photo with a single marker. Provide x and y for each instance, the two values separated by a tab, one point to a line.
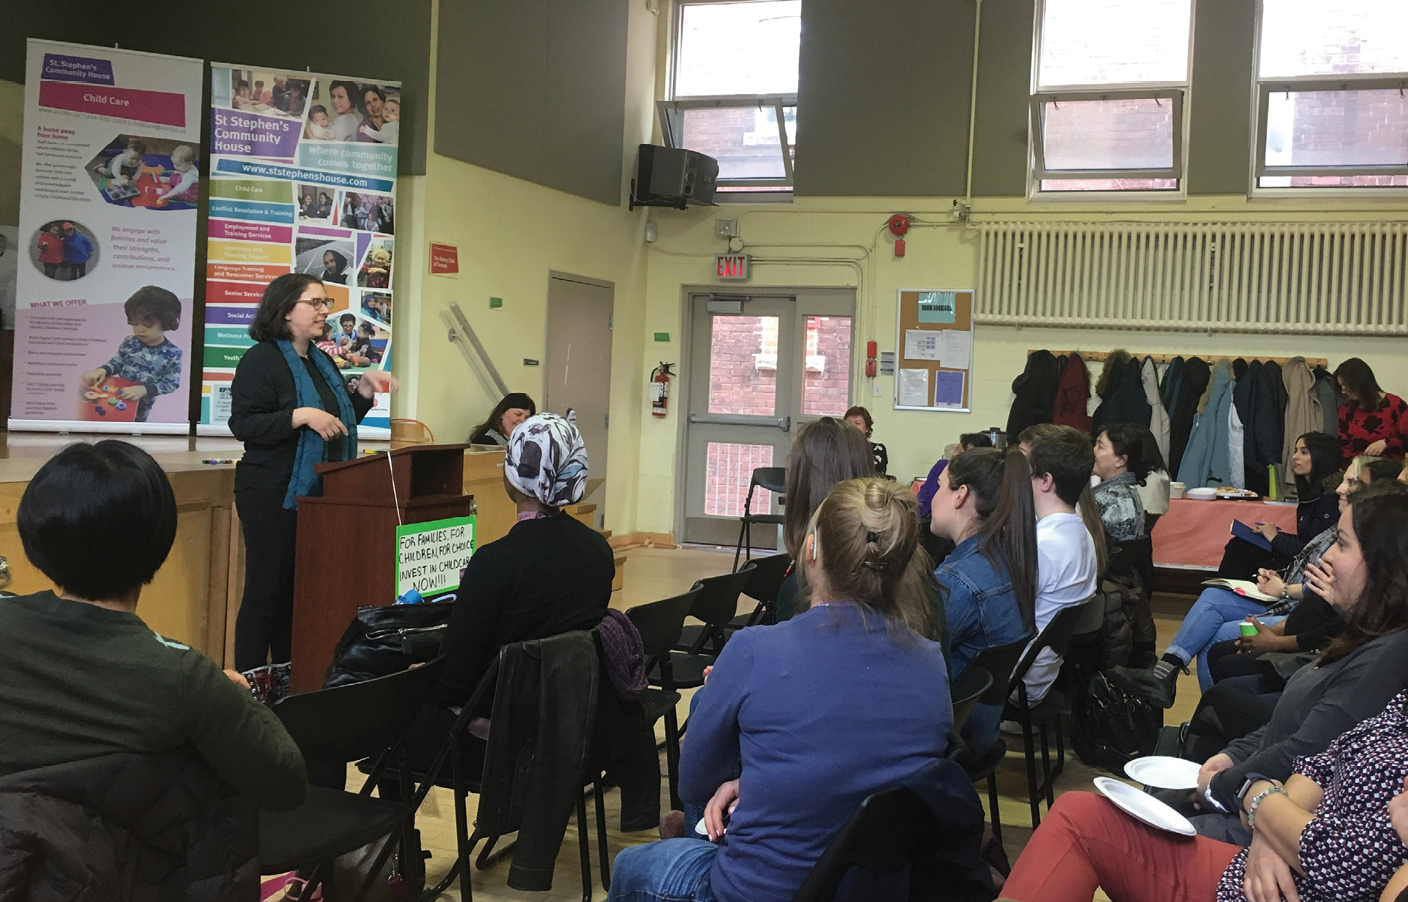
743	139
743	366
738	48
1101	42
1109	184
1333	37
826	388
1337	128
1084	135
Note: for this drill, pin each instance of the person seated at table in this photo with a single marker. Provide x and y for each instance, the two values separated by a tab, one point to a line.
966	441
83	675
1120	466
860	418
1314	458
498	426
1371	421
1364	575
825	451
1325	835
984	505
781	772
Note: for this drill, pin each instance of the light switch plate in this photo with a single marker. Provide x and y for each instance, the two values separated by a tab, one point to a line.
726	228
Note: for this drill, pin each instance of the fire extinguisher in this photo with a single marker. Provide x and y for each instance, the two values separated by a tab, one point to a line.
660	389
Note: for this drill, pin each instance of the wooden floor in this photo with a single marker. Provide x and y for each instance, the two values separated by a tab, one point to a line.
652	574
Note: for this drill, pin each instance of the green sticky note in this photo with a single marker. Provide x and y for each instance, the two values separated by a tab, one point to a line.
662	336
495	303
937	306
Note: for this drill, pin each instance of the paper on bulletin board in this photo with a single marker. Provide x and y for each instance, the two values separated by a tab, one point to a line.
948	389
920	344
938	306
914	388
956	349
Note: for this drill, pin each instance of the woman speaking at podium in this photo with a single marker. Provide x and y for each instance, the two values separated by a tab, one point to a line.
290	407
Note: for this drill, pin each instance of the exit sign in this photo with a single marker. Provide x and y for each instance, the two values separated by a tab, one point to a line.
731	266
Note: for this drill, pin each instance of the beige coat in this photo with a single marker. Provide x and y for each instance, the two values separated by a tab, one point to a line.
1303	413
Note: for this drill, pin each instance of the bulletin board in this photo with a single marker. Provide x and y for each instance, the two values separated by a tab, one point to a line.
934	349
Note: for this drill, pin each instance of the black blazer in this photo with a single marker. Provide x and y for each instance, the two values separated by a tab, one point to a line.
262	401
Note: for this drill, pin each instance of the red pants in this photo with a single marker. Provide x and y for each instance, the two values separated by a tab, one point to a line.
1086	842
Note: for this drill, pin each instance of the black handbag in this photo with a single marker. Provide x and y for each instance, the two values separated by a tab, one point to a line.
386	639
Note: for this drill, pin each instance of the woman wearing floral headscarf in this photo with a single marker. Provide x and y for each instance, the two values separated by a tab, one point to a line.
551	574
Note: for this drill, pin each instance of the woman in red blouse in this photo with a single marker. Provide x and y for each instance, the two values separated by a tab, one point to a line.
1372	421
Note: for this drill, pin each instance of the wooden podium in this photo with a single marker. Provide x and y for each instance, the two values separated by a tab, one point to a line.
346	555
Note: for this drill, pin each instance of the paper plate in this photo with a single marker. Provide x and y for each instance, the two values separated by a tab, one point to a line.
1201	494
1144	807
701	829
1163	772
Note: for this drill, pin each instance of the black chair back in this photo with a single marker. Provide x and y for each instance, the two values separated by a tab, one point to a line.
659	622
717	602
888	832
972	686
358	720
766	577
774	479
999	661
1056	637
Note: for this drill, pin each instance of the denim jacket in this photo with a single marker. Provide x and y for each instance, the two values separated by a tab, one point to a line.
980	606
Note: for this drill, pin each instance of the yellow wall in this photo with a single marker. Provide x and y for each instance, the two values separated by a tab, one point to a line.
510	234
11	127
940	254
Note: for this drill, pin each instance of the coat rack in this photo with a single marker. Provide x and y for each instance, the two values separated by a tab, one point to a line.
1100	356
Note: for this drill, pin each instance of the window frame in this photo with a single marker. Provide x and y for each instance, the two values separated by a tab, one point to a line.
671	114
1261	111
1178	92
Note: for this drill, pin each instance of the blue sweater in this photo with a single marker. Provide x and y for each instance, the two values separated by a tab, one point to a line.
823	710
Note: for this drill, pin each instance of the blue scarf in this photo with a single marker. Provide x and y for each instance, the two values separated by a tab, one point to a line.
311	446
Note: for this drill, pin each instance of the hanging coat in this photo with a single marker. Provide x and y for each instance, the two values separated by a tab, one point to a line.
1327	390
1236	445
1256	401
1206	451
1173	378
1035	392
1303	413
1158	416
1124	400
1073	396
1193	381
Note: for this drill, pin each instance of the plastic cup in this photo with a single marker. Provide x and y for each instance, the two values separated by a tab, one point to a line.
1248	629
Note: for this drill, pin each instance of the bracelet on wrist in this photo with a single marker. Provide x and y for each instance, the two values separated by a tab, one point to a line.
1274	789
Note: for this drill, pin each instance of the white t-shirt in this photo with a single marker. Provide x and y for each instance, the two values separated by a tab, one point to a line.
1065	576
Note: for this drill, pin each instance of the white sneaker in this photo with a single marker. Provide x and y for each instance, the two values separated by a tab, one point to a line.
1010	727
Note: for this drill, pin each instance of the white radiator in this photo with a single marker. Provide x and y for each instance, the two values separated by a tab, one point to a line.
1237	277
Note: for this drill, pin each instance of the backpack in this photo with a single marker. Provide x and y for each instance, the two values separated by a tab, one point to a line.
1111	728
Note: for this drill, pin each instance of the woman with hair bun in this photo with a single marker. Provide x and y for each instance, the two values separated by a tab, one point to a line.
805	766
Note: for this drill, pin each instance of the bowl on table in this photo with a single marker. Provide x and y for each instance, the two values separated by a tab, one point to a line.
1203	494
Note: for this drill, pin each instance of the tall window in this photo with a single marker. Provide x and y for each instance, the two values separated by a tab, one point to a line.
1331	82
733	89
1108	96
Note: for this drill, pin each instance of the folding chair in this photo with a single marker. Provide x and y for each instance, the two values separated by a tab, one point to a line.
659	625
773	479
888	832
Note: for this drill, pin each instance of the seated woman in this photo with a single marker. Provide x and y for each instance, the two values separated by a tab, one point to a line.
1325	835
1217	613
503	419
1315	457
984	505
1372	421
824	452
84	676
1119	463
966	442
806	766
860	418
1365	574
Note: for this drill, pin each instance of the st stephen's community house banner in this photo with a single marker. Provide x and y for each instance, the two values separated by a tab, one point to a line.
302	179
107	240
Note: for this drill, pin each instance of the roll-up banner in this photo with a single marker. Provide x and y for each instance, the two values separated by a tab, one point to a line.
107	235
302	179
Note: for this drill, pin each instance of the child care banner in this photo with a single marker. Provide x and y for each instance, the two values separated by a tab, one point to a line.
302	179
107	235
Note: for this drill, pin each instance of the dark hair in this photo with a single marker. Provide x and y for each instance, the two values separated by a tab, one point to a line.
276	303
1000	483
1382	469
346	318
317	108
241	84
1359	380
509	401
85	498
1324	459
974	440
1379	512
870	552
137	144
367	328
375	90
864	414
1064	452
338	258
1153	457
153	303
1129	444
826	451
348	87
